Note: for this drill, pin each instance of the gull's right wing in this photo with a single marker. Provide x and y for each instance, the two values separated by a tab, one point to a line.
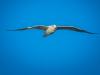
41	27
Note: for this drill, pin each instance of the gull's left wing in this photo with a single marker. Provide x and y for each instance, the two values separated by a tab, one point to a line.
73	29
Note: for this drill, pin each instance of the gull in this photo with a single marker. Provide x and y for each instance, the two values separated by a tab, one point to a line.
48	30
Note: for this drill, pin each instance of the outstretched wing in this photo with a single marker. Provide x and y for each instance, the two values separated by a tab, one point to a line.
41	27
73	29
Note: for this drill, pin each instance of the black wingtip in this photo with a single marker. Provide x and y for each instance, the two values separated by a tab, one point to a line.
84	31
90	32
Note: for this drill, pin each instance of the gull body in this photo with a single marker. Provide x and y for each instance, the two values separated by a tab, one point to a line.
51	29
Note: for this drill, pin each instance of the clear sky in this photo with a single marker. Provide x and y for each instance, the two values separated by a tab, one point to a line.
64	52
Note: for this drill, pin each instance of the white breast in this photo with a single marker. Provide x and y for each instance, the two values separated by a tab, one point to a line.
50	30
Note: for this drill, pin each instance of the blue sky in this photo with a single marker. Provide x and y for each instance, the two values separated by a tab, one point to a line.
64	52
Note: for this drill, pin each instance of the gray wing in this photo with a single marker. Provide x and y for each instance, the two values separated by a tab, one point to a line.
73	29
41	27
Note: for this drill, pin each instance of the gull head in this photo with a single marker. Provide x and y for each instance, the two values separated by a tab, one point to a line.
54	26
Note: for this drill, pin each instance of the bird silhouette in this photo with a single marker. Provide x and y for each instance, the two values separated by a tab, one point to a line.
48	30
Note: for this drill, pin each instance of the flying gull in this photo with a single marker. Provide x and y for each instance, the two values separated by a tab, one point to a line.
48	30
